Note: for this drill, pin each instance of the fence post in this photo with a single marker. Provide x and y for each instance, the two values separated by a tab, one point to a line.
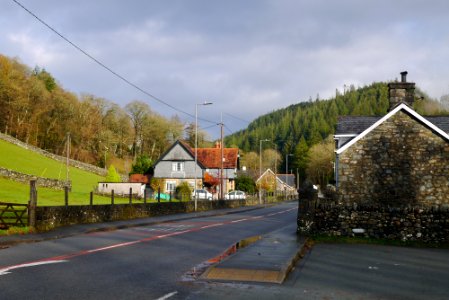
130	195
145	196
159	194
170	195
91	202
112	197
66	195
32	204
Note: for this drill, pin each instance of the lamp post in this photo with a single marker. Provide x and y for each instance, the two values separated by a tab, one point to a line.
286	162
286	172
196	146
260	167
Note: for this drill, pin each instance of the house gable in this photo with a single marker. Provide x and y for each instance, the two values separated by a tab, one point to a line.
400	107
403	160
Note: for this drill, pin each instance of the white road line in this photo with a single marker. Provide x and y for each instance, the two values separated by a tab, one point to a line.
7	270
212	225
258	217
241	220
167	296
112	247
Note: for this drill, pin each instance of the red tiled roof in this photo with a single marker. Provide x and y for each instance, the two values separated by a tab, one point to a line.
139	178
211	157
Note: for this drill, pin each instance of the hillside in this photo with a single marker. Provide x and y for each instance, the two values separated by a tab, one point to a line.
315	120
29	162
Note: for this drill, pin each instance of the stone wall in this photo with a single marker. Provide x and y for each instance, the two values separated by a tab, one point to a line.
401	162
40	181
405	223
50	217
72	162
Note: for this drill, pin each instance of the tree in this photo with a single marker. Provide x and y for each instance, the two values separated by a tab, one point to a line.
142	165
251	161
245	183
322	158
112	175
301	158
138	113
271	159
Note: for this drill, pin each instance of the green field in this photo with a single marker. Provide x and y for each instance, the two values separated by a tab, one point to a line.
25	161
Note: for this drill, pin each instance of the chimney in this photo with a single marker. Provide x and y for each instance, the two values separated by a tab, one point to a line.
401	92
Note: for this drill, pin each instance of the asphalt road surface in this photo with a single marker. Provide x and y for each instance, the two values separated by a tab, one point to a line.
156	262
137	263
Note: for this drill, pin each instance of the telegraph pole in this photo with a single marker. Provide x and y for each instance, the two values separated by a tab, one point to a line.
222	158
68	157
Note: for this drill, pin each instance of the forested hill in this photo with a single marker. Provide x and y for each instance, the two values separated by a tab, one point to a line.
315	120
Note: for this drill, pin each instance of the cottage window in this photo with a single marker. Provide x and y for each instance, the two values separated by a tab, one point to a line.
178	167
170	186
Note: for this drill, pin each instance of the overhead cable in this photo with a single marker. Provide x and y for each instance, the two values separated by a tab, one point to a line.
106	67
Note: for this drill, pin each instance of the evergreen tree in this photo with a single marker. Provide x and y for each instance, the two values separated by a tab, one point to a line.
301	158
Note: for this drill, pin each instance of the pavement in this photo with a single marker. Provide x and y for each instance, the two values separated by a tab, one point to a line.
267	258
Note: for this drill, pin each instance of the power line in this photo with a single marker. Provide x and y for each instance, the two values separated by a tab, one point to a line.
105	66
237	118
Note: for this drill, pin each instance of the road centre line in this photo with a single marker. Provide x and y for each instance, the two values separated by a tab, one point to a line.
65	258
212	225
240	220
167	296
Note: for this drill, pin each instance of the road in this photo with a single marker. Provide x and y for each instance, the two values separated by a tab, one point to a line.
136	263
155	262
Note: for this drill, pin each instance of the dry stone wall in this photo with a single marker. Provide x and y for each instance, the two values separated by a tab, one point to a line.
40	181
407	224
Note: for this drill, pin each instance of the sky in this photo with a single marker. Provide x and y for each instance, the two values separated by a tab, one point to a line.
247	57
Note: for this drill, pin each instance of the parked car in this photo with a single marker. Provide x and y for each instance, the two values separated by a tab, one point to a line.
202	194
235	195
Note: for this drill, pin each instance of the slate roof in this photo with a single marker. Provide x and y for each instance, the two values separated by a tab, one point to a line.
289	179
357	124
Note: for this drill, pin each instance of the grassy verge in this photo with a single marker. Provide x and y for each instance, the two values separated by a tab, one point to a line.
16	230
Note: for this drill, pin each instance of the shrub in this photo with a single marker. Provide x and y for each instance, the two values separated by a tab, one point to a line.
112	175
183	191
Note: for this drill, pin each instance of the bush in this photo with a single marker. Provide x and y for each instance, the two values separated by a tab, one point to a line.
112	175
183	191
245	183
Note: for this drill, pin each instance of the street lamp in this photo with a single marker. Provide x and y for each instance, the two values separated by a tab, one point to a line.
196	146
286	172
286	162
260	166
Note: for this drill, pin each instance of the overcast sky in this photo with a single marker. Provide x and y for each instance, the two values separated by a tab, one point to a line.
248	57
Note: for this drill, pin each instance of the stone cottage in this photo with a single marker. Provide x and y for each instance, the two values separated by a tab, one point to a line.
401	158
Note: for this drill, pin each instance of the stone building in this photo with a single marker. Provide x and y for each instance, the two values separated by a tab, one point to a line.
401	158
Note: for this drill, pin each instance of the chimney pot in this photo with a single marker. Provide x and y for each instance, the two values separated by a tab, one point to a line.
404	76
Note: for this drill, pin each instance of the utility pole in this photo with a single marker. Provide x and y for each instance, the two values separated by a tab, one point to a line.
222	158
68	155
